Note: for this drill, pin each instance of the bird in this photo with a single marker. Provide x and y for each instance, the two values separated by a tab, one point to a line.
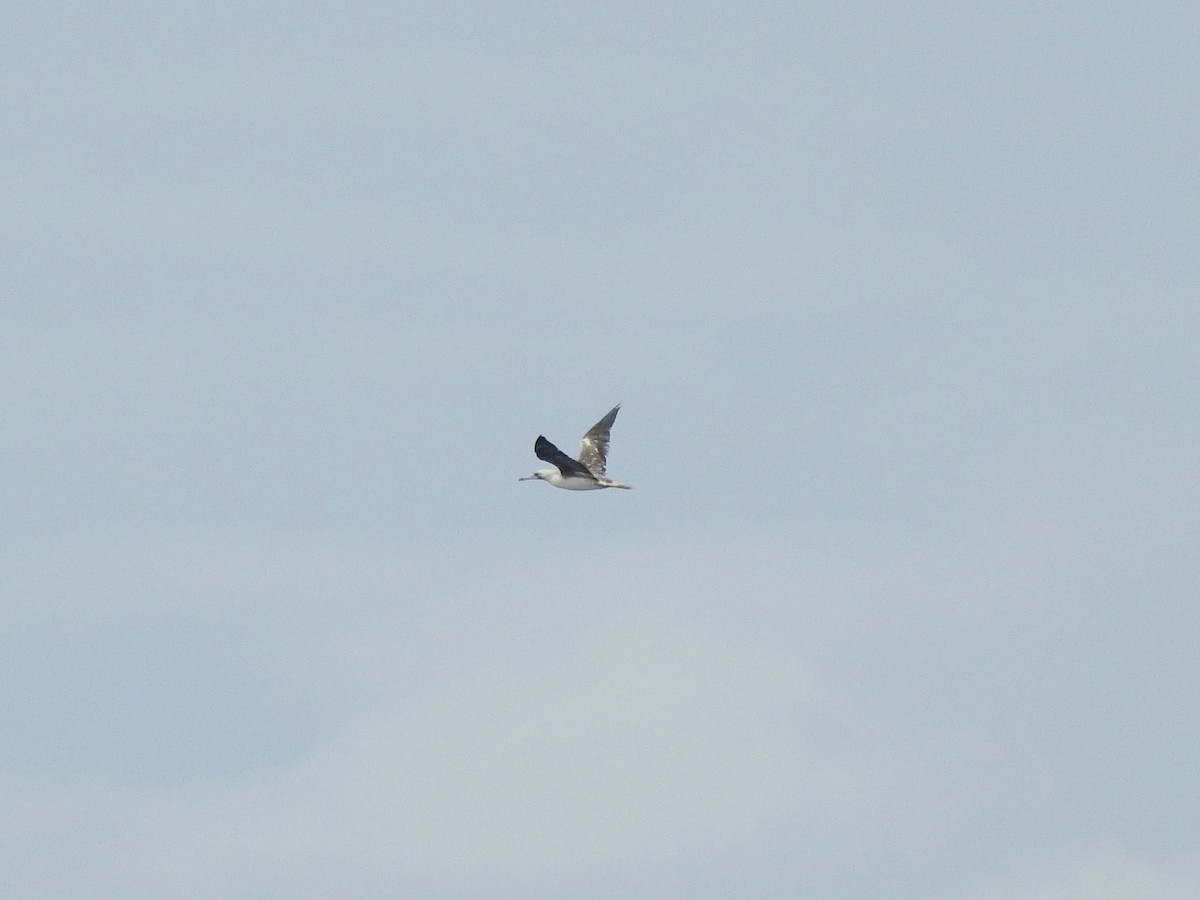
585	473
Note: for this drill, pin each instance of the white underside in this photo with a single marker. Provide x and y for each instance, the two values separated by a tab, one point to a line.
570	483
575	483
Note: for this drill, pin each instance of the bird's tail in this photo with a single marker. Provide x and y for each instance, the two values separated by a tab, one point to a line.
608	482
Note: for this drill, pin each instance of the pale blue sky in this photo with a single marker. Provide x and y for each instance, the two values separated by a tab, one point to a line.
901	304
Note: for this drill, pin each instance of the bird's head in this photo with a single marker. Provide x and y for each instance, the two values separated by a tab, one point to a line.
539	475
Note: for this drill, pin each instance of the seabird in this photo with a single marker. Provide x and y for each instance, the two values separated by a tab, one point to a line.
585	473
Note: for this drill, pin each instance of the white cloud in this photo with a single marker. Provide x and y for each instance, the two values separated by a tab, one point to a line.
780	686
655	738
1114	876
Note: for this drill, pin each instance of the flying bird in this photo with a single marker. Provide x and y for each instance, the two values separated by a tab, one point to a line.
585	473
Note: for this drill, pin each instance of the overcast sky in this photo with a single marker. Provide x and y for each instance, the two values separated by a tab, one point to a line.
901	302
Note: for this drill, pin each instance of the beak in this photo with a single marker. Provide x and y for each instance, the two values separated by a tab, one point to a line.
528	478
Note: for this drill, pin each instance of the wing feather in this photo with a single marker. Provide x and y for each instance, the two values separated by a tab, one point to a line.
546	451
593	449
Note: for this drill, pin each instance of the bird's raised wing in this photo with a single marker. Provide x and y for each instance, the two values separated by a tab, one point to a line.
593	449
551	454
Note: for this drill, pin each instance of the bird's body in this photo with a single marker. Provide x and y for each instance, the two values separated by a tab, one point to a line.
585	473
569	482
